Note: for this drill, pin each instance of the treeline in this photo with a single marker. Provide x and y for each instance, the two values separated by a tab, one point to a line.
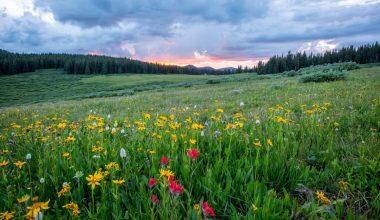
369	53
13	63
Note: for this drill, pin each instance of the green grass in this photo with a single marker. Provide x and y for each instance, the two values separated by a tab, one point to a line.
322	134
55	85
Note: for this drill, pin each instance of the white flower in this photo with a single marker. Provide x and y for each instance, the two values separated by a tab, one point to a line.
257	121
115	124
123	153
64	184
241	104
78	174
107	128
94	123
96	156
195	106
202	133
90	110
113	130
108	116
28	156
122	131
42	180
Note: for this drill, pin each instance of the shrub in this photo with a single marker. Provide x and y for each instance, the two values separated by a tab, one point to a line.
323	76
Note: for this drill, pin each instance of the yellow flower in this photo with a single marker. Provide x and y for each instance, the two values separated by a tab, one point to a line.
19	164
69	139
257	144
280	119
188	120
94	180
193	141
196	207
309	111
196	126
112	165
220	110
166	173
322	198
64	190
4	163
7	215
61	125
23	199
73	207
343	185
254	208
147	116
196	114
163	118
269	142
151	152
16	126
35	208
118	182
174	137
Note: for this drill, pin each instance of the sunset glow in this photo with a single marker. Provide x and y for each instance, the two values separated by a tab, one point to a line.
213	33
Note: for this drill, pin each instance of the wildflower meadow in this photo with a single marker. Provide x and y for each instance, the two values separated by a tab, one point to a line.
270	148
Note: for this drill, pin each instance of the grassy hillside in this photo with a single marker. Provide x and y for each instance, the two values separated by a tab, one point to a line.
54	85
269	148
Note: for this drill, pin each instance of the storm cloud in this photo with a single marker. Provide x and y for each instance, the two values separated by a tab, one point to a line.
205	33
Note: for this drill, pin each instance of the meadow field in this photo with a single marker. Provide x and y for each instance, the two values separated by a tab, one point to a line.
189	147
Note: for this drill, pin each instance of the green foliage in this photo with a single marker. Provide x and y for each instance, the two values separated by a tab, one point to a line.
323	76
334	67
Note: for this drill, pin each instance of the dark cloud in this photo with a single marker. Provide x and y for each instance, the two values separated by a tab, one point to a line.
89	13
149	29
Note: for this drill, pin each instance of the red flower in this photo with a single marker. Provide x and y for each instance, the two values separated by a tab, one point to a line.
205	205
193	153
151	182
164	160
175	187
155	199
207	210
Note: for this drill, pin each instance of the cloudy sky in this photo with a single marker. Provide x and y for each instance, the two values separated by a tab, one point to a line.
216	33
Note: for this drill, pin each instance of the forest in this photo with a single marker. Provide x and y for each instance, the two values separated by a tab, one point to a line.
369	53
13	63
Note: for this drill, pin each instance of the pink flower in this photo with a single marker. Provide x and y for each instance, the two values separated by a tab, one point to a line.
207	210
175	187
193	153
151	182
155	199
164	160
